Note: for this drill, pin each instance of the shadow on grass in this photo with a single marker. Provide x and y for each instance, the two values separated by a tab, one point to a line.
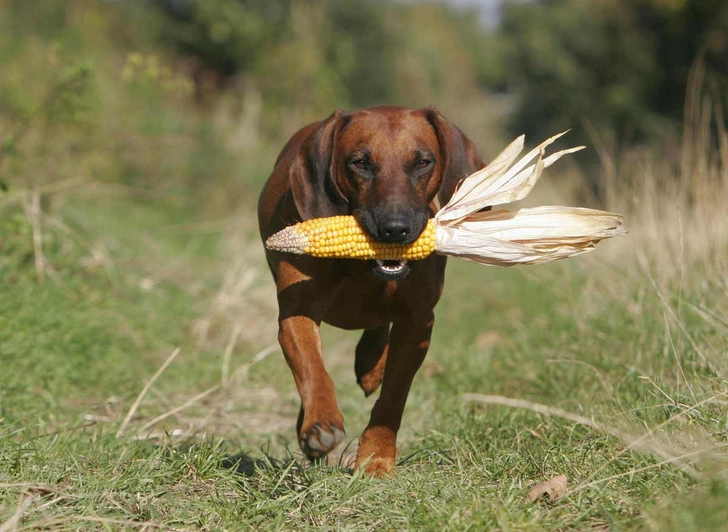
246	465
298	469
269	475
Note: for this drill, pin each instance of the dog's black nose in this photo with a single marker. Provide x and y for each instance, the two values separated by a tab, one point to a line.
395	230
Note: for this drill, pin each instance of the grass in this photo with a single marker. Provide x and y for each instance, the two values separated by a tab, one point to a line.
620	378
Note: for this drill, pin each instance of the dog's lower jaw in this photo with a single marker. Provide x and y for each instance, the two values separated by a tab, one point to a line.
391	270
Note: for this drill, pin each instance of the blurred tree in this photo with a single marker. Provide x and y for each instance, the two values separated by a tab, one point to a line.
306	57
614	66
360	47
301	50
227	35
101	90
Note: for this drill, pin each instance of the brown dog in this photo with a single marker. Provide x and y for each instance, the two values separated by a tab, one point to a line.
384	165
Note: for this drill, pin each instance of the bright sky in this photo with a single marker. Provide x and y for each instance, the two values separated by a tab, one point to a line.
489	9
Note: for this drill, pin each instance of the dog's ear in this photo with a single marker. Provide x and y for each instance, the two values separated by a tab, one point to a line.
312	173
457	154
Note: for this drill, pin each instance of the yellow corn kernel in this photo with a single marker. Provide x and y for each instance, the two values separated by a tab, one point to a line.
342	237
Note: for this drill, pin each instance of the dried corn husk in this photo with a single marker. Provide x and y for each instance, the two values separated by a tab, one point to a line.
524	236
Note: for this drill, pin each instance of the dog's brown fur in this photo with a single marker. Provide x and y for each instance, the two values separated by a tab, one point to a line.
384	165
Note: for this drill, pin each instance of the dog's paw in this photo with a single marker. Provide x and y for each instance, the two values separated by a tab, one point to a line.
370	382
377	451
379	467
320	439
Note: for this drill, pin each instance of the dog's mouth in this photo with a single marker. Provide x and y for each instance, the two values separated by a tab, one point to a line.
391	269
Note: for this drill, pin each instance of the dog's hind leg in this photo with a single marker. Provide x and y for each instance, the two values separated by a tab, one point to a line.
371	357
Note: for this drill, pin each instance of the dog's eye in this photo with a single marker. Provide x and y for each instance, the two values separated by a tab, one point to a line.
422	164
361	164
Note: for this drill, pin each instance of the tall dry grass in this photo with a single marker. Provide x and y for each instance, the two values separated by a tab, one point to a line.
675	196
659	297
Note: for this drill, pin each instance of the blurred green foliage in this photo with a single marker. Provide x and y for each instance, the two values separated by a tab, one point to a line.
619	68
167	95
295	49
171	96
87	95
312	55
618	72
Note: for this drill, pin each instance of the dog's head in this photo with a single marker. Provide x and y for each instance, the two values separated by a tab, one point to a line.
384	165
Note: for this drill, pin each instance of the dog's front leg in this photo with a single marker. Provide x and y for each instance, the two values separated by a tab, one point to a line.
320	423
302	301
408	344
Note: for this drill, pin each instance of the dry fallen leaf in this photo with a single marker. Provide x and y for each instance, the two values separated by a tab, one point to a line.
551	489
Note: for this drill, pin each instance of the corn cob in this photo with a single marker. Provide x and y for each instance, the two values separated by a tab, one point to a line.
343	237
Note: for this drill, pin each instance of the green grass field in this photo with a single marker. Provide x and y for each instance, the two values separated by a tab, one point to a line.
602	368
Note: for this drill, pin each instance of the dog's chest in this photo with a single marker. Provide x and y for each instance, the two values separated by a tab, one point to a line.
366	305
